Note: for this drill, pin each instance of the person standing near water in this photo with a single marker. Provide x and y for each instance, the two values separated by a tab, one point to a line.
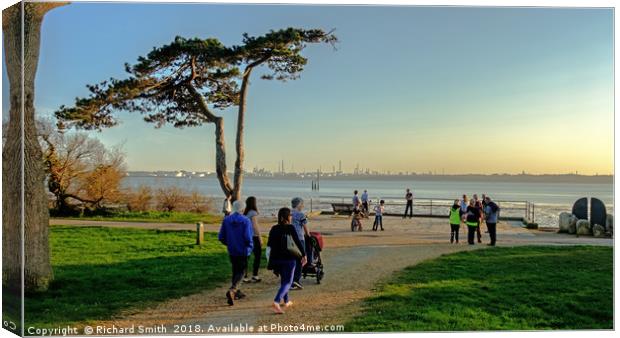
300	223
365	203
455	221
251	212
491	211
355	200
472	221
226	207
464	205
236	233
379	208
281	260
409	198
478	205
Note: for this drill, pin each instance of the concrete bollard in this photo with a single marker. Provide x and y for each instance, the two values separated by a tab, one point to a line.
200	230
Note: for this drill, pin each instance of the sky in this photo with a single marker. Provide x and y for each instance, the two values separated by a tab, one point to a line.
443	89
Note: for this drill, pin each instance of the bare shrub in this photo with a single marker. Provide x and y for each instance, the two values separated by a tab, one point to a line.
140	199
170	199
199	202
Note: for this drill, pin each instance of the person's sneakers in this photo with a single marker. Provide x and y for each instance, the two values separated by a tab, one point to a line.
256	279
246	280
277	309
288	304
491	244
479	241
297	286
229	297
239	295
381	229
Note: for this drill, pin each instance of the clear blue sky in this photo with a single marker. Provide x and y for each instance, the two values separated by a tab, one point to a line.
408	89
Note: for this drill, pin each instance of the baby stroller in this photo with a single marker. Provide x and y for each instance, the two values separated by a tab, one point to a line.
314	267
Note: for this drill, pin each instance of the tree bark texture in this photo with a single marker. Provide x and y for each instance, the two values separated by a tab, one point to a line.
37	269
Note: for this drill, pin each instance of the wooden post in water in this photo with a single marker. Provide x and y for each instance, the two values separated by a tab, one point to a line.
200	233
527	211
318	180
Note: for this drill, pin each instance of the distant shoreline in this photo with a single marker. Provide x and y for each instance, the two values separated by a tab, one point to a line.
524	178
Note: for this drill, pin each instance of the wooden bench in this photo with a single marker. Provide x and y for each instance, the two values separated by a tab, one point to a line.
342	208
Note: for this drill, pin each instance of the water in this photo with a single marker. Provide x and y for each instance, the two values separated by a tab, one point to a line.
272	193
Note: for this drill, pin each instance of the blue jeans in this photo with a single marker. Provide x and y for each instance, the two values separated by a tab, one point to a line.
286	267
378	221
298	266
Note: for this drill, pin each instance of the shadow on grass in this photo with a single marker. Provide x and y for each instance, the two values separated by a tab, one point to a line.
522	288
123	269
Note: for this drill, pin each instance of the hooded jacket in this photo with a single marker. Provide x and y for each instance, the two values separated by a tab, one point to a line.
236	233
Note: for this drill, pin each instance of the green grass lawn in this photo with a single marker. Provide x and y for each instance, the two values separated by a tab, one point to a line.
155	217
100	271
522	288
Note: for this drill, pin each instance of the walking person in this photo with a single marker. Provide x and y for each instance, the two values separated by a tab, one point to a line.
226	207
236	233
251	212
356	201
365	203
455	222
409	198
379	209
491	210
472	220
478	205
300	223
282	259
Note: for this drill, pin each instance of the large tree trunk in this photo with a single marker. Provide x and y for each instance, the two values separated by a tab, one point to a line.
238	178
220	158
29	167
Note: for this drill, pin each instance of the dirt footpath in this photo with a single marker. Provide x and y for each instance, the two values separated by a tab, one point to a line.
350	275
354	264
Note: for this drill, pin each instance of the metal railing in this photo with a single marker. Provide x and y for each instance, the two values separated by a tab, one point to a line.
429	207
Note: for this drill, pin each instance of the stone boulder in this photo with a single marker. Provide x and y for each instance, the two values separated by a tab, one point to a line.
572	226
583	227
567	220
598	230
610	224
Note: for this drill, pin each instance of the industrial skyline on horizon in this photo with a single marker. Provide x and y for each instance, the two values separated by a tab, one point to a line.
462	89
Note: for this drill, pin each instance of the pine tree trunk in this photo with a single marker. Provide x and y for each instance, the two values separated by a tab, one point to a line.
220	158
37	269
239	145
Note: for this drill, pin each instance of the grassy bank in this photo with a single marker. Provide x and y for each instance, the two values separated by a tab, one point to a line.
154	217
99	272
523	288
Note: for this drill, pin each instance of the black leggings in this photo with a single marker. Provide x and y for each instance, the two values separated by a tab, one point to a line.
257	251
454	232
471	232
409	208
